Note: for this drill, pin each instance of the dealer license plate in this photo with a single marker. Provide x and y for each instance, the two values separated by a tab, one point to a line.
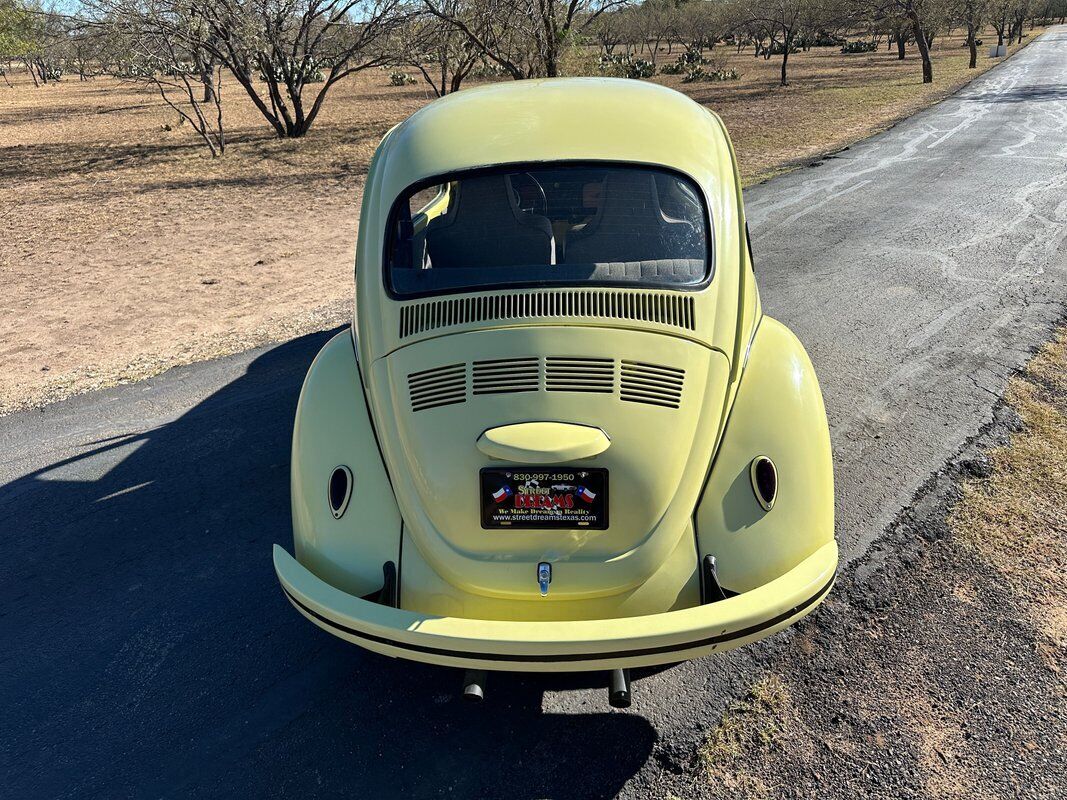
544	497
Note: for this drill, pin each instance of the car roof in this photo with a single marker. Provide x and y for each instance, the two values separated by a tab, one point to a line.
560	119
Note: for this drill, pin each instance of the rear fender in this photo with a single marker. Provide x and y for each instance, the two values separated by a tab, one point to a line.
333	429
778	413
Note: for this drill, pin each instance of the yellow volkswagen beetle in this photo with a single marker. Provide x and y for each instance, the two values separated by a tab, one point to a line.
560	435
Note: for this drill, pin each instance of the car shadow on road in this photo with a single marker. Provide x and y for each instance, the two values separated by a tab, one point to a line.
1048	93
150	650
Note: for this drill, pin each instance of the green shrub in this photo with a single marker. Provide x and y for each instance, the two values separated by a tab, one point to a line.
488	69
778	49
821	39
308	71
398	78
685	62
176	70
623	66
640	68
859	47
694	74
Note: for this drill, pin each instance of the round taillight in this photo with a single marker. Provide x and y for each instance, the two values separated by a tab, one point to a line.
340	490
764	481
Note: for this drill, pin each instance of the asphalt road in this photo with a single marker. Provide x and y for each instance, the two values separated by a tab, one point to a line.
149	652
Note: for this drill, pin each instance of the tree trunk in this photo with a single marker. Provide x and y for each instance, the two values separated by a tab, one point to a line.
788	45
457	79
973	63
900	48
920	40
207	77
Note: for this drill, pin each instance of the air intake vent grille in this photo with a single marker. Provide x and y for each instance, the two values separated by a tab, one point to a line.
580	375
667	308
652	384
442	386
638	382
507	375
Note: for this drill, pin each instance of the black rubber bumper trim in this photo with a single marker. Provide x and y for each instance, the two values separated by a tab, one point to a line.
646	651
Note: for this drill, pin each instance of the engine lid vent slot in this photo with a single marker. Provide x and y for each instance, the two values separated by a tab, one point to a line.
440	386
666	308
564	374
652	384
507	375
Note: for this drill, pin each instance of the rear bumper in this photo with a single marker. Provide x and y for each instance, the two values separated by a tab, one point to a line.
577	645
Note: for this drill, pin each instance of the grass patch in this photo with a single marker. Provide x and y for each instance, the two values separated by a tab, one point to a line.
940	673
748	728
1016	519
833	100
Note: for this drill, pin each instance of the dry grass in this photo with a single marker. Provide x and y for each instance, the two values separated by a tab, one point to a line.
832	101
125	250
1017	519
750	728
944	678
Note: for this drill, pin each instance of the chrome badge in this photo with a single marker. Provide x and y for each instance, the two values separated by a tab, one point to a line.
544	577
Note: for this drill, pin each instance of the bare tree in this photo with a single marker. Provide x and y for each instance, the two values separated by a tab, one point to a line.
43	35
925	18
283	46
166	47
785	21
913	10
703	23
441	53
199	94
527	38
652	21
609	30
289	45
971	13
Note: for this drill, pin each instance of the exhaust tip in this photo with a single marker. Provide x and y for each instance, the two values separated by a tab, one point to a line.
474	685
619	688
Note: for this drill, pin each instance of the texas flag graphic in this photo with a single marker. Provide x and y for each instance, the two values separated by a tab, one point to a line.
585	494
502	494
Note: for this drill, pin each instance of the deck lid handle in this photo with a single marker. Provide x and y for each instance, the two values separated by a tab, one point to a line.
543	442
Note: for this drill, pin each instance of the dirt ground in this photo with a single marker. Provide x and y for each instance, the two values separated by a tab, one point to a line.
936	669
125	249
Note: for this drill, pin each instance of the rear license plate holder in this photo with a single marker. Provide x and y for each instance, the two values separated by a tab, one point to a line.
544	498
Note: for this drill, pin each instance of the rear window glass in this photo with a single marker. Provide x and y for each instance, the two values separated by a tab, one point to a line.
549	225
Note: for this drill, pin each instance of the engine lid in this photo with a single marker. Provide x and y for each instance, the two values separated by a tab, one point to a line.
643	409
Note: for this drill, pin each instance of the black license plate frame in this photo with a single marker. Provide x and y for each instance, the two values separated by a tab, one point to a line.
543	498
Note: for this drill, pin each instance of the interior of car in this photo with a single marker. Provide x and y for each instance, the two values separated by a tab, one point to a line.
552	224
